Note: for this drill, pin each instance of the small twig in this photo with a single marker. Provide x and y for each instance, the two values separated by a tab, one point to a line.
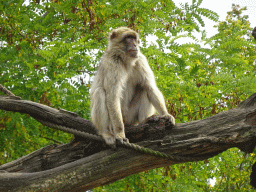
55	141
85	71
8	93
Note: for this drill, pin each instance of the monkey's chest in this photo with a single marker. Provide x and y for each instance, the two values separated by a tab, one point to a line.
132	90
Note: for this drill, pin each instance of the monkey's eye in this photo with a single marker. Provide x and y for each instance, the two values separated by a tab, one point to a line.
130	37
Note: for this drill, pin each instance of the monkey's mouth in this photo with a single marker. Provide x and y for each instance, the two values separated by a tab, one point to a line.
133	53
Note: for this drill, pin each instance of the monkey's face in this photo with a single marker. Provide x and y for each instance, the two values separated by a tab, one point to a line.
131	46
124	42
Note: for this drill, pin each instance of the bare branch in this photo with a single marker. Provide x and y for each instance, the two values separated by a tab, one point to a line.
84	164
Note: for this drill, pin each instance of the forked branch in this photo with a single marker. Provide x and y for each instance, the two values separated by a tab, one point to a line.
84	164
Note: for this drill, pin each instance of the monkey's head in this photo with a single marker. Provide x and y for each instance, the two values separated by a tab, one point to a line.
124	42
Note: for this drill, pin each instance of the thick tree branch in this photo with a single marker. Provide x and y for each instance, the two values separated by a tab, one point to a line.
85	164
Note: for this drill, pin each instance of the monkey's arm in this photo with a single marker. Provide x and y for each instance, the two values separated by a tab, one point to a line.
154	94
149	83
157	99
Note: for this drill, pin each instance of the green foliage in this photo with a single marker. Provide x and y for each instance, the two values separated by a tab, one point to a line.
50	51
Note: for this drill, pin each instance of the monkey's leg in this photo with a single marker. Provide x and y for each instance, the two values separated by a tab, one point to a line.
146	109
130	115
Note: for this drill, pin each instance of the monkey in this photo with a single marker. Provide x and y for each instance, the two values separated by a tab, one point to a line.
124	91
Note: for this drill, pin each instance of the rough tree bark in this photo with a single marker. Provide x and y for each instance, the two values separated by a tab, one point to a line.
84	164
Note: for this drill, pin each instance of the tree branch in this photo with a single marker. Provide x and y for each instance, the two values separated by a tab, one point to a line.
84	164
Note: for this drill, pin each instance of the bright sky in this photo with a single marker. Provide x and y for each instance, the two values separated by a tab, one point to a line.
221	7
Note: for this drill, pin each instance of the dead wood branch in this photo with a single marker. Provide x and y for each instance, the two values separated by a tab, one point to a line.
85	164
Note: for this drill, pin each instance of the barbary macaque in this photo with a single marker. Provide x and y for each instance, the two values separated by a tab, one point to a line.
124	90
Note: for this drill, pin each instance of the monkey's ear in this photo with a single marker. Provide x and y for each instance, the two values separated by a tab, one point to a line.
113	35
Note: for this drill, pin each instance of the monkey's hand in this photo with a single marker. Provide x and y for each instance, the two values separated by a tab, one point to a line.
170	118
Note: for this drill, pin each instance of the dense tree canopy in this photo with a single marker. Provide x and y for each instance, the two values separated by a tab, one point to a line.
50	51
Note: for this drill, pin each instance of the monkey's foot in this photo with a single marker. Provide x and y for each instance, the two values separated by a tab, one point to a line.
167	120
120	135
122	140
154	118
110	140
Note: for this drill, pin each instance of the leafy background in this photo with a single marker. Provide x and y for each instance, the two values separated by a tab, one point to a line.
49	51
